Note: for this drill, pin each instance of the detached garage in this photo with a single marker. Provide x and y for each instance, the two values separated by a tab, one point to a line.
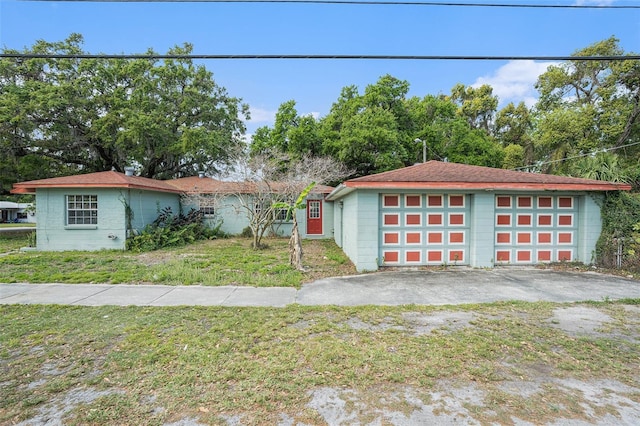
439	213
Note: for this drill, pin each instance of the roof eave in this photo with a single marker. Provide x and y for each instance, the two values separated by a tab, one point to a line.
339	191
489	186
30	189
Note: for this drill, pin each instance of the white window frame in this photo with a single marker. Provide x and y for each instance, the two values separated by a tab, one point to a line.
81	209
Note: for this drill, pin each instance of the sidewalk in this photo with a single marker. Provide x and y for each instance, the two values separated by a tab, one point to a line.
461	286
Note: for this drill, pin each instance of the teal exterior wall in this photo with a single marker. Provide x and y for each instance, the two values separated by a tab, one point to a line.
146	205
482	229
328	221
358	232
54	234
231	214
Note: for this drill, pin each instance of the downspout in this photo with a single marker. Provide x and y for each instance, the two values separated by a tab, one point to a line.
341	204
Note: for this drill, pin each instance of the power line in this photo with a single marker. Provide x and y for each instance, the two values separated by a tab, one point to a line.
368	3
560	160
18	55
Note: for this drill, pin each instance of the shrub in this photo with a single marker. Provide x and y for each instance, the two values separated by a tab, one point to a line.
170	230
620	228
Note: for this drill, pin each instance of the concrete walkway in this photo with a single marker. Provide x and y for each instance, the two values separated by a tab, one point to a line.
460	286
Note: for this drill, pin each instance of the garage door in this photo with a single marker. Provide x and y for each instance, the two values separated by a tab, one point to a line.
424	229
535	229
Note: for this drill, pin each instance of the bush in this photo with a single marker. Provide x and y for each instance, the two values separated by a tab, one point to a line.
169	230
247	232
620	228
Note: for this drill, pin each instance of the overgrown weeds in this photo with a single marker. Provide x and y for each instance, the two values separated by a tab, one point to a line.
226	261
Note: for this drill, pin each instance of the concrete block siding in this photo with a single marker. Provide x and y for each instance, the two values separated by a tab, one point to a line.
110	232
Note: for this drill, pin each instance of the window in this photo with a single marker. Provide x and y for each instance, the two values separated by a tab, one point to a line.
208	211
314	210
82	209
282	215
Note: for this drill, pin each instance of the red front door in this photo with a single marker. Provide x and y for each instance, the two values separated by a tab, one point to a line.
314	217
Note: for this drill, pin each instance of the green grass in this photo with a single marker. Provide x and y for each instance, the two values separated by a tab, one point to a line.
10	241
17	225
260	363
217	262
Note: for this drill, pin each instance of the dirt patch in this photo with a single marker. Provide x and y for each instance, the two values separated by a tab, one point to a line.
442	321
580	320
54	411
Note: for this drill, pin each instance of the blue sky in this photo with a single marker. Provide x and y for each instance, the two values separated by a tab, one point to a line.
249	28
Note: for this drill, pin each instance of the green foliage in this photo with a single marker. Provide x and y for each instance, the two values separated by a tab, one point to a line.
476	105
31	239
586	106
216	262
620	225
246	232
169	230
63	116
513	157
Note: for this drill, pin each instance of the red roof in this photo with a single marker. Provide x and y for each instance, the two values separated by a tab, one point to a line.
196	184
193	184
109	179
440	175
212	186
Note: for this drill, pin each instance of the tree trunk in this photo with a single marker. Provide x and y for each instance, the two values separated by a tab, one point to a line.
295	247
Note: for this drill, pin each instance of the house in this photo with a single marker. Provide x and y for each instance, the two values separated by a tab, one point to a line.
438	213
219	201
94	211
98	210
16	212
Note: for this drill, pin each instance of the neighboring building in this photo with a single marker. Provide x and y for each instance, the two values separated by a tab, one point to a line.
439	213
11	212
97	210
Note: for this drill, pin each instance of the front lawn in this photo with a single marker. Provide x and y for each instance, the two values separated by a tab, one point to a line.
501	363
213	263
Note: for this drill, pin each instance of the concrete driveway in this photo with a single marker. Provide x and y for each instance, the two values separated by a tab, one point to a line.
460	286
454	286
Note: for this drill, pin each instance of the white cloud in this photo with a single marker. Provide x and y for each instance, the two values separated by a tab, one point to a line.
259	115
515	81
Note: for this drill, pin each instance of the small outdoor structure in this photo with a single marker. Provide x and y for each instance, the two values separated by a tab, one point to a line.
98	210
438	213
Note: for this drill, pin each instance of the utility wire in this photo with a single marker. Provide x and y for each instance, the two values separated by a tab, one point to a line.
17	55
373	2
560	160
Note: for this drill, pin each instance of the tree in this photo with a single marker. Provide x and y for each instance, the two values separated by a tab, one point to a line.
295	244
254	193
168	118
264	189
292	134
587	106
476	105
513	157
302	177
514	126
372	132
